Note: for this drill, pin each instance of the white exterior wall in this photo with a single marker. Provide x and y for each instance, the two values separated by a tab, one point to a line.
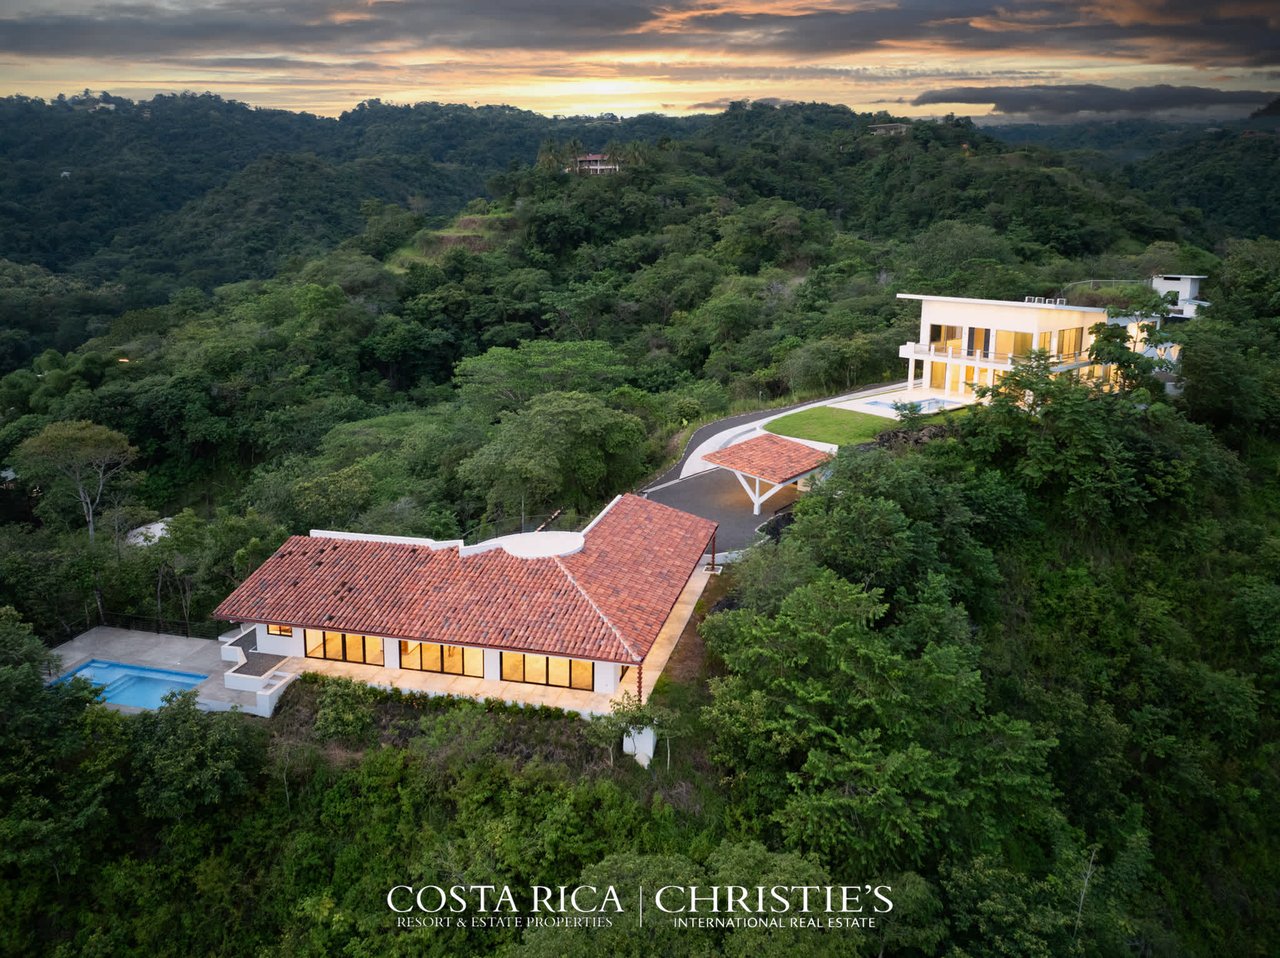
280	644
391	653
996	316
1007	317
493	665
606	676
1187	287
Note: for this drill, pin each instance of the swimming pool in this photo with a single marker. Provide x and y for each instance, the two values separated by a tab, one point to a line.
134	685
926	405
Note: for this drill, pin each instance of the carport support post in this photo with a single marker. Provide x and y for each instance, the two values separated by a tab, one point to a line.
756	500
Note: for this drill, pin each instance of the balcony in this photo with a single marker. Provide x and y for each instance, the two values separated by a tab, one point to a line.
989	356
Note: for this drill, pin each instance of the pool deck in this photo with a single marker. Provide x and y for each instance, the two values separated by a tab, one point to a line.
159	651
882	404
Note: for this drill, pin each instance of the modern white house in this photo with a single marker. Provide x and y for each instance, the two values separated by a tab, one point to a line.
968	342
567	619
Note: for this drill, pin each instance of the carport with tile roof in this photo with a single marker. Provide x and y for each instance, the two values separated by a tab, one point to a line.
770	460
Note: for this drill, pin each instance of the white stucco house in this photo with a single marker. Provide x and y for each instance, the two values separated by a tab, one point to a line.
566	619
965	343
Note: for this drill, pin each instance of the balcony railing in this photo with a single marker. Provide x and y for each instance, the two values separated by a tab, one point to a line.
989	355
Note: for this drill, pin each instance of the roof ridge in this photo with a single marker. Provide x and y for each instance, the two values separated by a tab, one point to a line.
595	608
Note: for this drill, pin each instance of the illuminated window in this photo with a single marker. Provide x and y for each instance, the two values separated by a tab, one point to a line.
343	647
1070	342
548	670
449	659
1012	345
279	630
946	337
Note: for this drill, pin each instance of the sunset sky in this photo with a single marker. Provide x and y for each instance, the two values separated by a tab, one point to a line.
1036	59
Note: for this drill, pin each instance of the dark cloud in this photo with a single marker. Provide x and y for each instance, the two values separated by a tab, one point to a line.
1084	98
1244	32
129	30
1231	32
723	102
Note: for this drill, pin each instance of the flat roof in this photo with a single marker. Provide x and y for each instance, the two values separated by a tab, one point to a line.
606	601
923	297
769	457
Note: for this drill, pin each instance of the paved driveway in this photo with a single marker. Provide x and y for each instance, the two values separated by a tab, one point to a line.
716	495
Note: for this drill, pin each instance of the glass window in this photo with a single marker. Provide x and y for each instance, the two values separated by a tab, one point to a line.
333	645
979	339
1021	344
411	655
314	639
946	337
434	657
1070	342
937	375
344	647
279	630
548	670
512	667
557	671
535	669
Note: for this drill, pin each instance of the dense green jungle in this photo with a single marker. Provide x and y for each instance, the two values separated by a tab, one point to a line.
1022	665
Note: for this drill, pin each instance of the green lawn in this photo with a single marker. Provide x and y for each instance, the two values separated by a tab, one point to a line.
827	424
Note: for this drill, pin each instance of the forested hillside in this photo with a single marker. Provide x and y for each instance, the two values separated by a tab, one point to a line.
1021	665
1221	179
105	210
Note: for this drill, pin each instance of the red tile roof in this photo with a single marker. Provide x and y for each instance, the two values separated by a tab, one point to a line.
606	602
769	457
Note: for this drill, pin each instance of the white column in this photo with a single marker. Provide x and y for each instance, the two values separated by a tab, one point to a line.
606	677
391	653
492	665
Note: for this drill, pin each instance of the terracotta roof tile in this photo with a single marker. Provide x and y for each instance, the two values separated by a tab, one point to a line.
607	601
769	457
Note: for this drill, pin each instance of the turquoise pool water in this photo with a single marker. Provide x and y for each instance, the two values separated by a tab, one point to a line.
134	684
926	405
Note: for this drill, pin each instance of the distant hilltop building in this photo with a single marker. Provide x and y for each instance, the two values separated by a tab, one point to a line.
594	164
890	129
